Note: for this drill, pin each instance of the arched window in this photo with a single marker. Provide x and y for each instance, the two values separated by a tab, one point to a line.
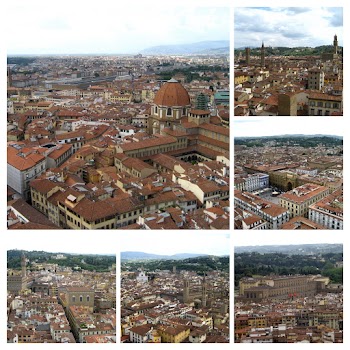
168	111
73	298
88	298
81	298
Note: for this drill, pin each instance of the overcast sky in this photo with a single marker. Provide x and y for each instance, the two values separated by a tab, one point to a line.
287	26
108	26
271	126
173	242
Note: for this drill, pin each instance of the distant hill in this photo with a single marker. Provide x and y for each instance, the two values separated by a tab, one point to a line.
289	51
203	47
90	262
305	141
147	256
199	264
289	136
297	249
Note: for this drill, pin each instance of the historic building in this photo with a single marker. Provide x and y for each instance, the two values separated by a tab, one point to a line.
191	292
274	214
171	103
298	200
18	281
328	212
279	287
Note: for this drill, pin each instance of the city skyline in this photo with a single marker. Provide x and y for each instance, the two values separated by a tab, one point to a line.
287	26
88	30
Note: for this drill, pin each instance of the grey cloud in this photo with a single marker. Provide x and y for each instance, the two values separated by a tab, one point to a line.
296	10
292	35
336	16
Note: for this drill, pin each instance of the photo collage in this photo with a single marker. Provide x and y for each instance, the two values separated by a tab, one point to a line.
122	120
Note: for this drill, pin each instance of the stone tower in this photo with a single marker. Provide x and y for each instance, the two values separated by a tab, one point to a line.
9	77
262	57
204	292
335	44
23	264
247	56
186	291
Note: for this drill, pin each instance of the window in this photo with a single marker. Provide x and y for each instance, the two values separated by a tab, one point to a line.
81	298
168	111
88	298
155	109
319	104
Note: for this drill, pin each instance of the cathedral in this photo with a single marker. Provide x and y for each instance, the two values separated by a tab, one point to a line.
196	131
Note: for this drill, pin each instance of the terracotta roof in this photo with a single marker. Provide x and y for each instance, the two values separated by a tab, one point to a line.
322	96
301	223
141	330
208	186
303	193
22	162
44	185
137	164
199	111
168	161
215	128
58	152
148	143
31	214
172	93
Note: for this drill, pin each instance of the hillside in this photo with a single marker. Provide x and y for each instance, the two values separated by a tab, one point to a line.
199	264
90	262
289	51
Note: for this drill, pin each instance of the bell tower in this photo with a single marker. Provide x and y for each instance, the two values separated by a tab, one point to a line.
186	291
335	44
23	265
262	57
204	292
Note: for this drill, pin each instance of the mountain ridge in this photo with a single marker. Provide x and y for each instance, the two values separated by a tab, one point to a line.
133	255
201	47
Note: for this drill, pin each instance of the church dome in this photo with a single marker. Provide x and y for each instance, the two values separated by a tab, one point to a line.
172	93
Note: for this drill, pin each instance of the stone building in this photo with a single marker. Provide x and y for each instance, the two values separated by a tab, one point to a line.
298	200
171	103
17	282
80	296
279	287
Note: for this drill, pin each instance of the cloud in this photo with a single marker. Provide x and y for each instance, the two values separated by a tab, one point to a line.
290	35
287	26
296	10
111	26
336	17
55	23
